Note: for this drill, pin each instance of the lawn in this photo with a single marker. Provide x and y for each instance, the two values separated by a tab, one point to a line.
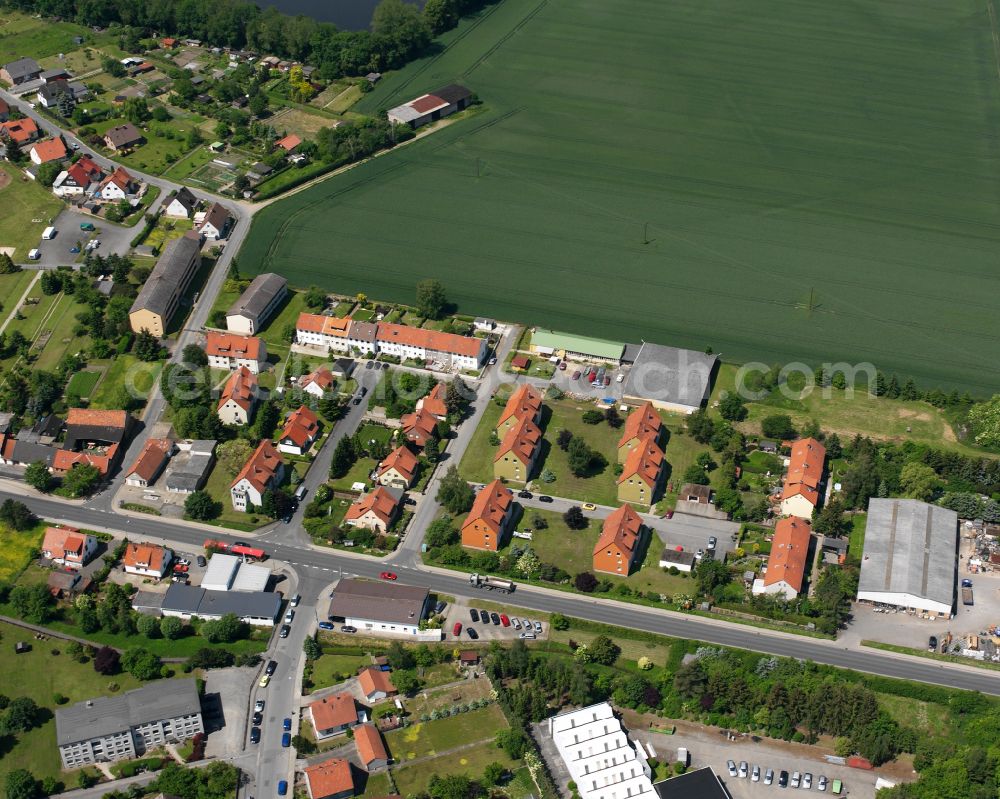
28	209
17	550
11	289
217	486
21	35
754	188
413	780
166	230
377	784
40	674
477	462
59	329
433	737
126	370
332	669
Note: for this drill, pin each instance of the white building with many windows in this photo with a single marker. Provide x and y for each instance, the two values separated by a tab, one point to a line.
599	756
128	725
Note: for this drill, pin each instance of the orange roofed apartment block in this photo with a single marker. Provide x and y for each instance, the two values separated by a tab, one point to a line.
788	561
801	492
518	452
616	549
641	474
642	424
487	522
524	403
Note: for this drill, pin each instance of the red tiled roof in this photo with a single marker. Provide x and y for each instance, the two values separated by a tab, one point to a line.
261	468
327	325
369	743
120	178
240	388
491	506
96	418
418	426
643	422
426	103
147	556
154	454
789	548
288	143
60	540
332	711
20	130
521	440
433	340
433	403
644	461
403	461
321	376
50	150
302	427
229	345
372	679
520	361
805	470
621	529
380	502
329	778
66	459
525	402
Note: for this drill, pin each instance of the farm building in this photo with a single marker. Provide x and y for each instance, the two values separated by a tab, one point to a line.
431	107
672	379
580	348
909	556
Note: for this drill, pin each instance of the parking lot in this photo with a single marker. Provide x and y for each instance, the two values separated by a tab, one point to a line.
56	252
710	747
581	387
462	613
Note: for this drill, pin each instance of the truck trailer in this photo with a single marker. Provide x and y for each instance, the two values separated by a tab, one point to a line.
491	583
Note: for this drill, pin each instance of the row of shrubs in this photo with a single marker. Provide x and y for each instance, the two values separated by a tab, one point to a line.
455	710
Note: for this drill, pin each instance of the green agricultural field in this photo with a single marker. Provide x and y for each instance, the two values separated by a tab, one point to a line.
813	181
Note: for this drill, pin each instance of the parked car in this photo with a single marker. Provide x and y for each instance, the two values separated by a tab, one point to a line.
484	616
369	364
932	643
576	375
388	575
184	561
538	626
966	583
528	636
807	781
457	629
286	724
295	600
607	380
769	776
348	628
755	773
712	542
356	401
525	494
783	779
87	226
258	718
439	606
589	506
796	779
326	625
527	624
282	787
562	366
272	666
504	620
495	618
516	622
255	735
258	706
264	681
744	769
544	498
731	765
821	783
200	560
284	631
473	614
286	739
289	616
471	632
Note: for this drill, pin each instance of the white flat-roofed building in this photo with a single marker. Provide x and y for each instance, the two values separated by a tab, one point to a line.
599	756
220	573
910	556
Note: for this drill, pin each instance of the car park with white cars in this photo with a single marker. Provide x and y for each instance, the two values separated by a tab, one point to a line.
802	781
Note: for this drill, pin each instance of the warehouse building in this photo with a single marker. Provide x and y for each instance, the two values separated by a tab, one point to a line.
580	348
909	559
431	107
672	379
230	573
259	608
378	607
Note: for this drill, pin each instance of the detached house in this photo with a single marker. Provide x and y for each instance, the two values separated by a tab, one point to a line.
642	424
788	561
518	451
227	351
21	131
264	470
80	178
239	395
217	222
376	510
371	748
616	549
68	547
147	467
801	492
49	150
486	525
180	204
289	143
641	473
147	560
117	186
375	684
300	431
20	71
123	137
331	779
419	426
398	469
434	403
335	714
318	381
524	403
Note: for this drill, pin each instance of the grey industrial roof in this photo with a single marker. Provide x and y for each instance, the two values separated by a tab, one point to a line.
251	577
670	375
182	598
187	470
701	783
453	93
221	570
258	295
165	281
104	715
404	113
379	601
910	548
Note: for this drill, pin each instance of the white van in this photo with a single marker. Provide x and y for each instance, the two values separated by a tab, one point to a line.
49	233
34	255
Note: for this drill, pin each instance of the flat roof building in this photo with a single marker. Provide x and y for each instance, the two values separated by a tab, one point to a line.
186	601
379	607
672	379
702	783
910	556
189	469
567	345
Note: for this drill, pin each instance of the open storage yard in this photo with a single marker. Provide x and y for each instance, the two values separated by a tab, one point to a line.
797	206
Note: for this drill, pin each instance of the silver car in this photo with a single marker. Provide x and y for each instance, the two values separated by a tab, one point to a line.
731	764
744	769
516	622
755	774
769	776
538	626
807	780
